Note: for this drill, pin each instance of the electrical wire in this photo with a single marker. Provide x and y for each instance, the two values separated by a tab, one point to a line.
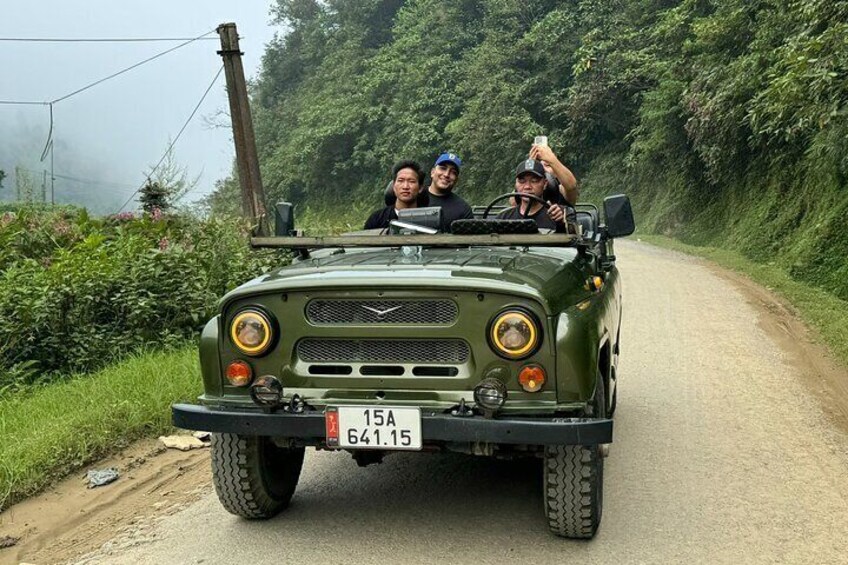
24	102
92	181
95	83
78	179
48	145
104	79
171	146
97	39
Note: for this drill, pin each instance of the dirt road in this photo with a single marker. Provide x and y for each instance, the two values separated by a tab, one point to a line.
731	446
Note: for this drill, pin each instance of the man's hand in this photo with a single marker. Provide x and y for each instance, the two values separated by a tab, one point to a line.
556	213
543	153
567	182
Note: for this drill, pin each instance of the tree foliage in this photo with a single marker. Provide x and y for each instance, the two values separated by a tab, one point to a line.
724	119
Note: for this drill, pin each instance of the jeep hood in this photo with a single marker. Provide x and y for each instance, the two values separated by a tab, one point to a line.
553	276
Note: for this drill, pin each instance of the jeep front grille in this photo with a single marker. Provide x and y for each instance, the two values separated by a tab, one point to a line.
420	351
332	312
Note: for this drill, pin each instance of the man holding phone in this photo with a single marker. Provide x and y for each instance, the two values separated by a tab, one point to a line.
541	151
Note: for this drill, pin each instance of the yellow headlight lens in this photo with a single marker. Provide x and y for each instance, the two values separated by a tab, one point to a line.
514	334
251	332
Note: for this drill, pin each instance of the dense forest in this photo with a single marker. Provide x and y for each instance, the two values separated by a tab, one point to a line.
725	120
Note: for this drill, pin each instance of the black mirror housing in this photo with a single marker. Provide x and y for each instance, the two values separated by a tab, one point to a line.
283	219
619	216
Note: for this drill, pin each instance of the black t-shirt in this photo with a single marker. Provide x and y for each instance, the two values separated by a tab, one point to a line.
542	219
453	208
381	218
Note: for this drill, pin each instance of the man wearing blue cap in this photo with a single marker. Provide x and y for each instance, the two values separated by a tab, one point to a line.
443	177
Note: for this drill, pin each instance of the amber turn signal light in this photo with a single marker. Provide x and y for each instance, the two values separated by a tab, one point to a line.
532	377
594	283
239	373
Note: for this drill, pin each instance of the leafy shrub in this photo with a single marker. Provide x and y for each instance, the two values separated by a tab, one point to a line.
77	293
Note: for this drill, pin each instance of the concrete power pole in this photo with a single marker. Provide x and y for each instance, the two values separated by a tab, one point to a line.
252	193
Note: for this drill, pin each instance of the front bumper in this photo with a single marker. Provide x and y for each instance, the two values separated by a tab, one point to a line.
310	426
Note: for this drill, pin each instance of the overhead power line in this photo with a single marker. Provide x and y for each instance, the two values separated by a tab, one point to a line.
96	39
131	67
93	181
104	79
182	129
24	103
80	180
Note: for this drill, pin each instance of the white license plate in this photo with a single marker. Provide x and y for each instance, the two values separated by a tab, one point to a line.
363	427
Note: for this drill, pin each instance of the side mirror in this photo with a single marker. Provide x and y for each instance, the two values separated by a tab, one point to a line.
283	219
619	216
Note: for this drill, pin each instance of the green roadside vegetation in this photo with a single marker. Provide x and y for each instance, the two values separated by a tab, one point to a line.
77	292
50	431
819	309
99	319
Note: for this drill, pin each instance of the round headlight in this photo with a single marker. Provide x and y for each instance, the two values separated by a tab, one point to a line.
514	334
250	330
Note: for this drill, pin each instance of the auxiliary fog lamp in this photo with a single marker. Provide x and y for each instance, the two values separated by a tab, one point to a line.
490	395
267	391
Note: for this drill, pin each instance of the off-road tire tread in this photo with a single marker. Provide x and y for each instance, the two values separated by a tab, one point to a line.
574	482
241	477
571	474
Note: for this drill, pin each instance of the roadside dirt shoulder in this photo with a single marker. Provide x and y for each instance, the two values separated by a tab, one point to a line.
814	364
70	519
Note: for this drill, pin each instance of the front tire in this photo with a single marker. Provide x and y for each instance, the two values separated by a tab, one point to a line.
253	477
574	483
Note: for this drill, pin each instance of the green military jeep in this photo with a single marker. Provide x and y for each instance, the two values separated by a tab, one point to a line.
495	340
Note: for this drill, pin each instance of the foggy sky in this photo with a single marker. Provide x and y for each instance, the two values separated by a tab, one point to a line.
115	131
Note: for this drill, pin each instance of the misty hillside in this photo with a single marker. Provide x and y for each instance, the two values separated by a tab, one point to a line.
724	120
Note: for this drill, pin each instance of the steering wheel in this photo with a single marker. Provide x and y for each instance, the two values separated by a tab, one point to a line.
516	195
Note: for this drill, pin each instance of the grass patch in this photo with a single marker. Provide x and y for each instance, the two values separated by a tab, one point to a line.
54	430
823	311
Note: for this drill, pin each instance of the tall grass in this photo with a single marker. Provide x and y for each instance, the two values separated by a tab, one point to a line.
53	430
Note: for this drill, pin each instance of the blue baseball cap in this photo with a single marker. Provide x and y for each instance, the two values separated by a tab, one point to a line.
451	158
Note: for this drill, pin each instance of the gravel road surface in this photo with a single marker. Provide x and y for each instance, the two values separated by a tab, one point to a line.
729	448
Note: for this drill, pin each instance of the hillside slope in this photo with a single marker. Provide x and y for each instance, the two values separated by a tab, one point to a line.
724	119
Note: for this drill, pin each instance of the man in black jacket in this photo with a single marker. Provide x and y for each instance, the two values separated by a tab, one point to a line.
407	178
443	178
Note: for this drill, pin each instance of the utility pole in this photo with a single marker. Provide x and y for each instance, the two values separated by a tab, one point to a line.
252	193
